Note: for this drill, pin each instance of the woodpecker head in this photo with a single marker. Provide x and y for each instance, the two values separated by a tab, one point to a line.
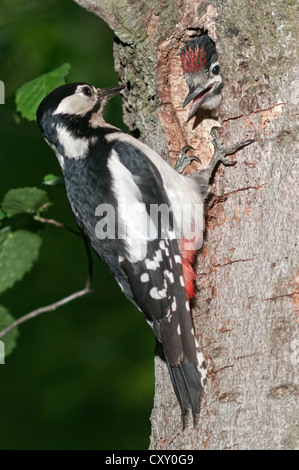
201	68
69	115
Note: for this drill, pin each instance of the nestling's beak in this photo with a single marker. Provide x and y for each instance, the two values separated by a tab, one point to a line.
198	95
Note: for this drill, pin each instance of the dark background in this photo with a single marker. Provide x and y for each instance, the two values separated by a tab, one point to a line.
81	377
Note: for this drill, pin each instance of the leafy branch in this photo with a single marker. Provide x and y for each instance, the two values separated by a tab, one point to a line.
19	249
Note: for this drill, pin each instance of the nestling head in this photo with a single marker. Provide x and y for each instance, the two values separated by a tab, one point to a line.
201	68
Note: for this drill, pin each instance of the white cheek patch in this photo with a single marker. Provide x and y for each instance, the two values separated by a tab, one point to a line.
75	104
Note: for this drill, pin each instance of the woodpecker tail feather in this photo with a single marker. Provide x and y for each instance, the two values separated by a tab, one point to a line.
187	383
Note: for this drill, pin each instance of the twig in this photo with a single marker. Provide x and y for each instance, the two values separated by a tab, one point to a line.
43	220
48	308
87	289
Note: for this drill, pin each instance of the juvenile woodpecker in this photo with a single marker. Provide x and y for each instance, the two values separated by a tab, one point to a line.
201	68
148	241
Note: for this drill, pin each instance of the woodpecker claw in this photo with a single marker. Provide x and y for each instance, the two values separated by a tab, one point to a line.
221	151
203	177
183	160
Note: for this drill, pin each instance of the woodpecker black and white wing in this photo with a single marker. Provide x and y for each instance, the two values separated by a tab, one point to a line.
153	266
157	287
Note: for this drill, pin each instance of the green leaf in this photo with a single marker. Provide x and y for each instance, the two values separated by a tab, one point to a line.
2	215
9	339
53	180
17	255
29	95
28	200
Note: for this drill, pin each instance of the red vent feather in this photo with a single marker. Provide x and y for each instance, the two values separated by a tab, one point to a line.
188	257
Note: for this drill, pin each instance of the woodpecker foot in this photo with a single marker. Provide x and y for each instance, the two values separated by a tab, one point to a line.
183	160
221	151
203	177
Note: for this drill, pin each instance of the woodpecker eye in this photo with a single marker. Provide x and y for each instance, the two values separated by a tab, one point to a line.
215	70
87	91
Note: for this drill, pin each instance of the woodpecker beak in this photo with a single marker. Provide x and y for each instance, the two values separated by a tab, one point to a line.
105	94
199	96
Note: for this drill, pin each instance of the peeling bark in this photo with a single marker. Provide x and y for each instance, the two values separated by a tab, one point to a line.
246	312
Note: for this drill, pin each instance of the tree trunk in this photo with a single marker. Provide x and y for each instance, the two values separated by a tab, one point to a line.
245	314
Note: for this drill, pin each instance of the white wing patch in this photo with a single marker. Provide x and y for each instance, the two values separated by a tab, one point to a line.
144	277
153	264
135	226
158	294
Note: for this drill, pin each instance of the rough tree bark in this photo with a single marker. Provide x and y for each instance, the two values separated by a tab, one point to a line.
245	314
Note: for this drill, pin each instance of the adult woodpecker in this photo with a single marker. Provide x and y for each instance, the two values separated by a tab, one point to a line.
201	68
150	254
